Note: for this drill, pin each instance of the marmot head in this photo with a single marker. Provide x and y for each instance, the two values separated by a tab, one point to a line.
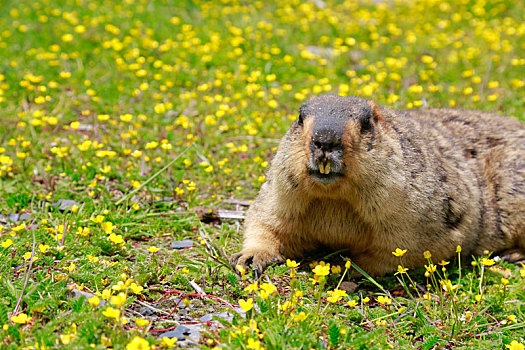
335	130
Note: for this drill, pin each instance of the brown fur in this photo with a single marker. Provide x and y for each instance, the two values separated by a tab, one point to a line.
417	180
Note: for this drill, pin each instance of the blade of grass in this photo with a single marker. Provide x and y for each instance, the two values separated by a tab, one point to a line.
371	280
153	177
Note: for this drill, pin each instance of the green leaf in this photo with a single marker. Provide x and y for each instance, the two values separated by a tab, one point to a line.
334	334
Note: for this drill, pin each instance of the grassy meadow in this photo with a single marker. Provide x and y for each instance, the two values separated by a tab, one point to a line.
123	123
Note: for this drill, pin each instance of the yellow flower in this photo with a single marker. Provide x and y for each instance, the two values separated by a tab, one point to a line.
106	293
94	301
19	227
384	300
254	344
253	287
399	252
301	316
348	264
458	249
352	303
427	255
72	267
401	269
98	219
321	270
487	262
117	239
336	295
111	312
92	258
153	249
512	318
431	268
7	243
141	322
83	231
336	269
246	305
266	290
443	262
135	288
160	108
119	299
67	338
291	263
169	342
21	318
67	37
478	297
240	269
504	281
108	227
138	343
285	306
126	117
136	154
514	345
447	285
366	300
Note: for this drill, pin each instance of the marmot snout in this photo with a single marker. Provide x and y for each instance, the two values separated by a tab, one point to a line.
351	175
328	140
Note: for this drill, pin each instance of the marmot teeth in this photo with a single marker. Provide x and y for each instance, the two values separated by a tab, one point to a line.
324	169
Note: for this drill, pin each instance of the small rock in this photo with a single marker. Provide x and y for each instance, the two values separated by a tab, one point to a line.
319	3
24	216
14	217
166	199
146	311
186	243
65	204
325	52
172	334
348	286
225	315
193	332
207	317
77	293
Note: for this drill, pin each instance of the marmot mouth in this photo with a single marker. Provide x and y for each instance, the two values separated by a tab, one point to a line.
324	178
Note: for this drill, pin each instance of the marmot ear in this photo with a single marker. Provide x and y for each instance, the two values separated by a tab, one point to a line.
301	115
300	119
376	113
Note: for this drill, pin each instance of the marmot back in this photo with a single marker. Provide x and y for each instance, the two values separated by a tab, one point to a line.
352	175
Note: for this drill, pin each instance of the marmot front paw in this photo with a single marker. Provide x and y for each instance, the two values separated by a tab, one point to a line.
259	259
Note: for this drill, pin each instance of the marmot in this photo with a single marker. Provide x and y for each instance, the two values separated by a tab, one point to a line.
352	175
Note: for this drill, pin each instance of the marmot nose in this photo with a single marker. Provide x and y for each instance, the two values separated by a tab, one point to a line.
325	140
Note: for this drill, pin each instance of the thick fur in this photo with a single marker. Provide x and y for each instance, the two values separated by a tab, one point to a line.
417	180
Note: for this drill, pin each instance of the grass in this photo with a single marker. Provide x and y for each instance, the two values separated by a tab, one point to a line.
97	97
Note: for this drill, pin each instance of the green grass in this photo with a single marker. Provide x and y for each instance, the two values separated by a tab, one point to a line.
96	97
